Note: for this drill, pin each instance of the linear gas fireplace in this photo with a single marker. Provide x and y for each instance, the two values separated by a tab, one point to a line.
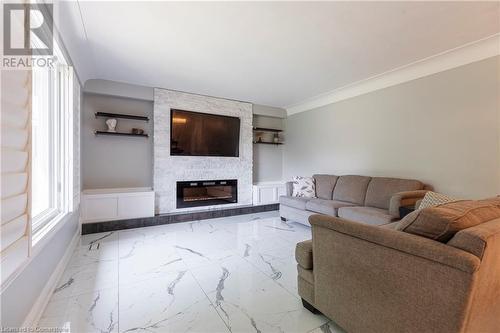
206	193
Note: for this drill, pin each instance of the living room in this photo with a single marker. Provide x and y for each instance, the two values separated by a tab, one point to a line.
251	166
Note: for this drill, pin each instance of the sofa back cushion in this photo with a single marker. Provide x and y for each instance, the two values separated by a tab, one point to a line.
475	239
325	185
351	189
442	222
381	189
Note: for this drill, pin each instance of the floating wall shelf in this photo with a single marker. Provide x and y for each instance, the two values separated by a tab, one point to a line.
120	134
268	143
122	116
263	129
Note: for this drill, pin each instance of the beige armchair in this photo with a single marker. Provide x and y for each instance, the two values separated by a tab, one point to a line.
375	279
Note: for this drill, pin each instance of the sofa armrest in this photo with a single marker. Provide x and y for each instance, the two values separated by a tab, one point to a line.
400	241
289	188
408	198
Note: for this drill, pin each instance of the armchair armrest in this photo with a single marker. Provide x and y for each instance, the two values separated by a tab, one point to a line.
400	241
289	188
408	198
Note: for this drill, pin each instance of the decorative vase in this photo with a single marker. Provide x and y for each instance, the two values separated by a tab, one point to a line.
111	123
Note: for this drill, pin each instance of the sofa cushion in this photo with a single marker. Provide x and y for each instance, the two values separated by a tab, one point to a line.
442	222
475	239
381	189
368	215
295	202
325	185
351	189
327	207
392	225
304	254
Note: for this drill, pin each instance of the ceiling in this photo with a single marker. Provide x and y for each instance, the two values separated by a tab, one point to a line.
272	53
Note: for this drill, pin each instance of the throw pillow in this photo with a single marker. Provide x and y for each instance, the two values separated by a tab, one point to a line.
303	187
442	222
432	199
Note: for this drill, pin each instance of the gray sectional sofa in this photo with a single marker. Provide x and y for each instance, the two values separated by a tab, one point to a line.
370	200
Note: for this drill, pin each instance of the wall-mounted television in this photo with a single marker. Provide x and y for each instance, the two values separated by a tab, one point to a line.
203	134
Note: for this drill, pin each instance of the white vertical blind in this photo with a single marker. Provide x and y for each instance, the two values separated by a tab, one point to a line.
15	153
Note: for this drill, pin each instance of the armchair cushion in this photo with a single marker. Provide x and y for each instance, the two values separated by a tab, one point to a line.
442	222
304	254
306	274
327	207
369	215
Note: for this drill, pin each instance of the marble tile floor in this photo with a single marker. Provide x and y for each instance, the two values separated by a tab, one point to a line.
232	274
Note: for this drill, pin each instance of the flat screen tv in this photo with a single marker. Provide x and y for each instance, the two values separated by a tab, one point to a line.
203	134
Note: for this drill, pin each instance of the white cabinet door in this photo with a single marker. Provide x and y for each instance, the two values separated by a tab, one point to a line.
267	193
136	206
100	208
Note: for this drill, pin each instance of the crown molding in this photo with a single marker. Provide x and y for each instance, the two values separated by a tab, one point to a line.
460	56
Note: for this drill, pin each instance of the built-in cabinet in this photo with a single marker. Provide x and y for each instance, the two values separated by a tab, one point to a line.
117	204
268	193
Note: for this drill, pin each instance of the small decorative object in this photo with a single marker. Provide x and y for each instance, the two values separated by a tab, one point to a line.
137	131
111	125
276	138
259	139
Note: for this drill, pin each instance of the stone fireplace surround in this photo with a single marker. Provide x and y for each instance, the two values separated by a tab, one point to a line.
168	170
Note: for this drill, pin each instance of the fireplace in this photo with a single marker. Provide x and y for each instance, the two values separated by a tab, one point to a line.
206	193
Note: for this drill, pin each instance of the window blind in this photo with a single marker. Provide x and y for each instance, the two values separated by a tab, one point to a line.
15	166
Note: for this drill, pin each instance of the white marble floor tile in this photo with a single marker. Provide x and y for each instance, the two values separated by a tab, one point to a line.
233	274
171	303
139	260
248	300
95	248
94	312
87	278
103	237
89	312
279	264
329	327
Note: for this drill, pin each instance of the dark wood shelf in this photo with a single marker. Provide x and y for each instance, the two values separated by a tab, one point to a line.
268	143
120	115
263	129
120	134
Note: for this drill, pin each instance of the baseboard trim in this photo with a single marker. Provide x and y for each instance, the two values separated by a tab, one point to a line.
37	310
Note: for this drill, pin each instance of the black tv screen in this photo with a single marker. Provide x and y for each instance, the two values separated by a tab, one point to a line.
203	134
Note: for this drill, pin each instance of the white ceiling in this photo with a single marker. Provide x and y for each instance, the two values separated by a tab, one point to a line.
272	53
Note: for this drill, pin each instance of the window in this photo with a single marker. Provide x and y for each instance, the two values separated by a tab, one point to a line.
52	142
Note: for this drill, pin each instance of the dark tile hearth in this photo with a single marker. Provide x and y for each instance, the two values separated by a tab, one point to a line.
92	228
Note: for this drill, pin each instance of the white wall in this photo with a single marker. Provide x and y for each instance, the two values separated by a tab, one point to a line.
442	129
116	161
